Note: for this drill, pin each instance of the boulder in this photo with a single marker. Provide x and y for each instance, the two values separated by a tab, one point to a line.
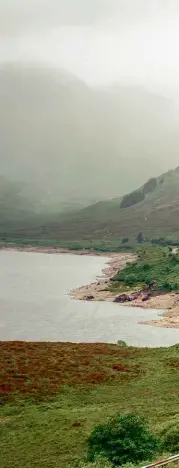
135	295
145	298
122	298
89	298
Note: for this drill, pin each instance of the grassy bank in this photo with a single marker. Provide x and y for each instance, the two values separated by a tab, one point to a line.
156	268
53	394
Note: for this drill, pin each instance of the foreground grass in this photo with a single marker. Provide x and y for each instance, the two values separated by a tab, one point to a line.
53	394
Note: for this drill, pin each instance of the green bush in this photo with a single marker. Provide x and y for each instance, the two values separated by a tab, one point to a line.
122	344
170	439
146	266
130	280
123	439
166	286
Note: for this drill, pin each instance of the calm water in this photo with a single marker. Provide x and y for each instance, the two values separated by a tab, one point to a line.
35	304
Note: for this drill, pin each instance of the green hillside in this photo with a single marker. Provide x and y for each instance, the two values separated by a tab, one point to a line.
156	215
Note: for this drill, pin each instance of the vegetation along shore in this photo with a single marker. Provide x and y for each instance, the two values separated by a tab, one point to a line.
149	279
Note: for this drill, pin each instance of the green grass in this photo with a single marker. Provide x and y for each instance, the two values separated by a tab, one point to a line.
155	266
88	383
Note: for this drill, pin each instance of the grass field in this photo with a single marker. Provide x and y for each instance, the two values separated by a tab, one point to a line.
53	394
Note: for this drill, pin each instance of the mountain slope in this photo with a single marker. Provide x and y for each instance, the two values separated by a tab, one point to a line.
77	142
156	215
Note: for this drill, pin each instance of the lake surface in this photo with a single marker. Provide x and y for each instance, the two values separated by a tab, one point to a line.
35	304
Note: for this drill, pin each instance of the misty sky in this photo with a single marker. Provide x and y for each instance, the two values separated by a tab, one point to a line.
101	41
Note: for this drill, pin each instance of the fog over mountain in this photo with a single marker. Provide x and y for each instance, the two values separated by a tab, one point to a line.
89	105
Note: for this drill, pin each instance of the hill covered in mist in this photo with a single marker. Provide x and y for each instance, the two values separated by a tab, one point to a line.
68	142
25	203
156	215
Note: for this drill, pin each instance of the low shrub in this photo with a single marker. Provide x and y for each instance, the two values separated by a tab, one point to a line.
130	280
147	266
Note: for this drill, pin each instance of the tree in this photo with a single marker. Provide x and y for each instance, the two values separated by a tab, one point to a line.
140	237
123	439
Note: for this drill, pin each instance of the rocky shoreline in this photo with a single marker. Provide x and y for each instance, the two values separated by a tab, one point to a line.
99	291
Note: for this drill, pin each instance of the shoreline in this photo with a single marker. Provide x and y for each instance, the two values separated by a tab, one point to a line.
55	250
98	290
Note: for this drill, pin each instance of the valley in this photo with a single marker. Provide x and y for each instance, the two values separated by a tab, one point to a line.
89	234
